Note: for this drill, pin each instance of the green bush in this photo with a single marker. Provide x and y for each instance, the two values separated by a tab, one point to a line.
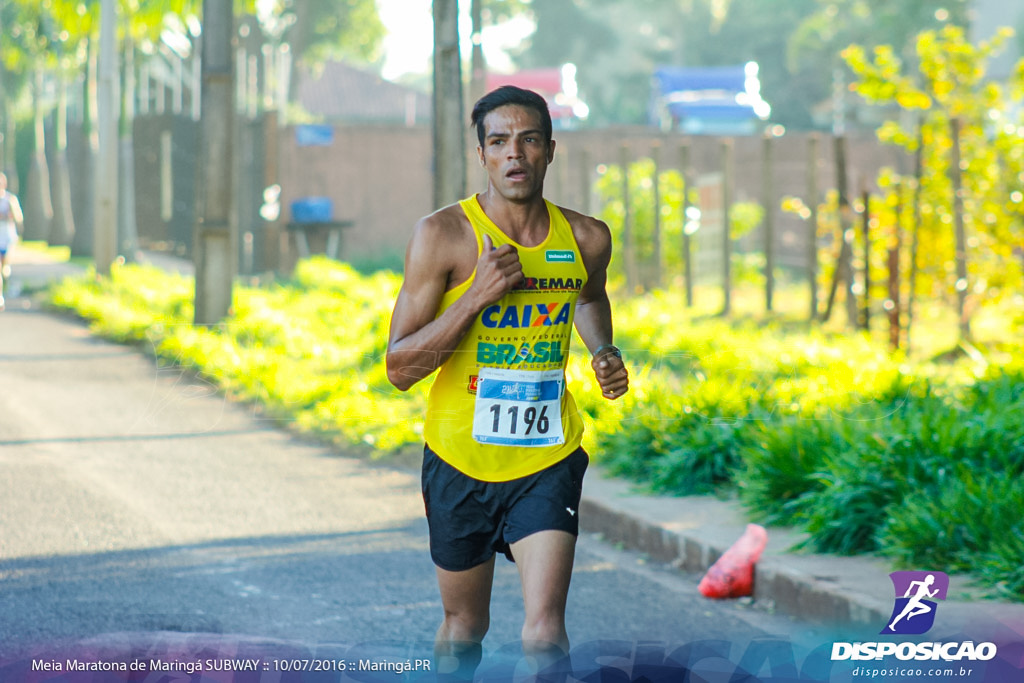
682	449
971	523
782	464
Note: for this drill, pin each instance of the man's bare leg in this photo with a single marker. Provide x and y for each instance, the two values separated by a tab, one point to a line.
545	562
466	597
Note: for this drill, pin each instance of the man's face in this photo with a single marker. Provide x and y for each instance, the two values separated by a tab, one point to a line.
515	152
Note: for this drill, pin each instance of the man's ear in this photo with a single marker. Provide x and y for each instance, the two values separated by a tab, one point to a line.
551	151
480	156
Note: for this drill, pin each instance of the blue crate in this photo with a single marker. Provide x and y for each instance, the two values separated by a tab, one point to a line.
312	210
314	136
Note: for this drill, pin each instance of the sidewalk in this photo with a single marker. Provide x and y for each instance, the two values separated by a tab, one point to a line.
692	532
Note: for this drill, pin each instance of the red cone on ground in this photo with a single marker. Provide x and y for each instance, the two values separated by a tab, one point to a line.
732	576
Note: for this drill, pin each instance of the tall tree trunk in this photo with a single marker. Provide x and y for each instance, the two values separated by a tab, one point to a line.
9	165
85	163
38	206
216	232
105	223
844	266
127	225
7	134
449	130
62	229
478	67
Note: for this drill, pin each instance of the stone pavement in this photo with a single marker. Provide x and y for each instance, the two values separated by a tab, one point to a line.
692	532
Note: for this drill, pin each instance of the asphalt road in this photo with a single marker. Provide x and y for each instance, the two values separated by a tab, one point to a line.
137	502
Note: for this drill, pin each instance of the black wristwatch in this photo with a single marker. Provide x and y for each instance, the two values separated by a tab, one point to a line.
610	348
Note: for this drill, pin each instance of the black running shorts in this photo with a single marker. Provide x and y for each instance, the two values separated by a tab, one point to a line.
470	520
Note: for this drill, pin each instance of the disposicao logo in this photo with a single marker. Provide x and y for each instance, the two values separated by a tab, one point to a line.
913	613
916	592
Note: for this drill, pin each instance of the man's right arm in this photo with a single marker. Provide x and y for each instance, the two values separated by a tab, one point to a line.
420	341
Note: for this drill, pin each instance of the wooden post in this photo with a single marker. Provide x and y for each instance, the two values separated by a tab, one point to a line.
655	270
892	304
728	181
865	316
960	232
628	252
915	229
271	172
684	165
812	238
768	203
586	179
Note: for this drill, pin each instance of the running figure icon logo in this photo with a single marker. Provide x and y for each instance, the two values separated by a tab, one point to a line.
914	610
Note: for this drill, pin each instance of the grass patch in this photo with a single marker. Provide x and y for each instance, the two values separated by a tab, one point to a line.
52	253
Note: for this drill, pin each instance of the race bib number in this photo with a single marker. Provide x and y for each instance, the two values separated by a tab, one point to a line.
519	407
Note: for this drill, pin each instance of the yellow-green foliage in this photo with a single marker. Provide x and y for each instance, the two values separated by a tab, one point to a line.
310	351
134	304
951	84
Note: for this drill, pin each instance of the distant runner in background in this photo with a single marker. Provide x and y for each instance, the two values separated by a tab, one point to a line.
11	221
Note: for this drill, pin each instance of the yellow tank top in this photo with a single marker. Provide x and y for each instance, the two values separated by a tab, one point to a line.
499	408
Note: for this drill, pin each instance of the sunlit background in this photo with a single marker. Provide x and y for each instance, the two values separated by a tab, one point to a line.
816	206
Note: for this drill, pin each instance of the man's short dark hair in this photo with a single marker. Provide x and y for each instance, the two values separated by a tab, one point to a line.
510	94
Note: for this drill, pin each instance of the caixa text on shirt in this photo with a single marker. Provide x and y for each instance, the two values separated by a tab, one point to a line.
529	315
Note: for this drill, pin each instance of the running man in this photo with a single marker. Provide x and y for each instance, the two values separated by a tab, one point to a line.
493	286
914	606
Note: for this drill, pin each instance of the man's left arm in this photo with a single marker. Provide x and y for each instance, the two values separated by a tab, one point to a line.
593	317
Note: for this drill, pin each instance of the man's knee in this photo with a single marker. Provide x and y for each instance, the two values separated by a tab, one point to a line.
545	629
465	627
